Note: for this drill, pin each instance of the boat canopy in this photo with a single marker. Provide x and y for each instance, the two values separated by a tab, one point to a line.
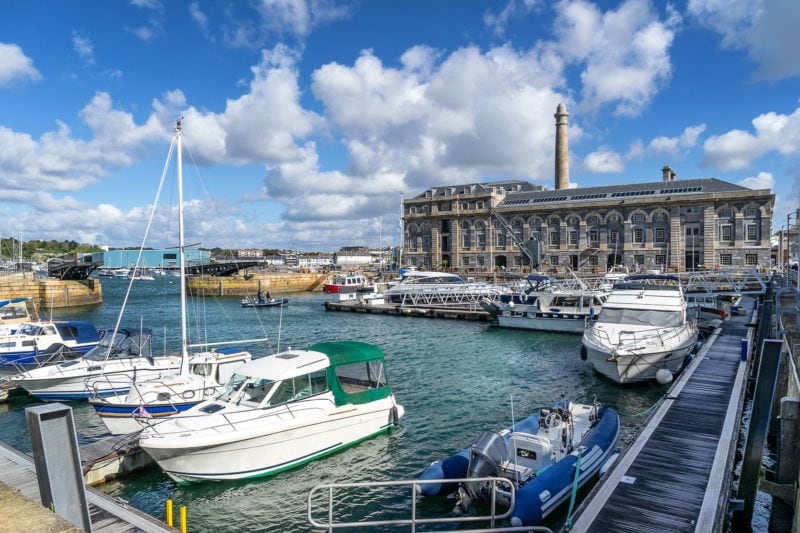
357	374
128	342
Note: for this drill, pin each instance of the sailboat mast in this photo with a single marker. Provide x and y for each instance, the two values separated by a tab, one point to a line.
184	336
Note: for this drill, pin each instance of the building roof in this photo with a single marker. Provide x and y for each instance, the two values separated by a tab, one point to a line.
510	186
613	192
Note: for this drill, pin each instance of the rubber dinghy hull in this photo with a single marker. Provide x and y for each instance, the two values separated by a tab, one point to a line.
552	485
539	496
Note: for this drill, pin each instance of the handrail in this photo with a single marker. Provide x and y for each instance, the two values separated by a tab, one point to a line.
413	521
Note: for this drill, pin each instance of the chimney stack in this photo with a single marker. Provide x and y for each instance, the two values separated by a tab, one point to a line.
562	148
668	173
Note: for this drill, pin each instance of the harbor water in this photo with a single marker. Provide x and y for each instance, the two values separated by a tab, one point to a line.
454	379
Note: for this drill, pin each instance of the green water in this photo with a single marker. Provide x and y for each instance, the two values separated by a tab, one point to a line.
454	378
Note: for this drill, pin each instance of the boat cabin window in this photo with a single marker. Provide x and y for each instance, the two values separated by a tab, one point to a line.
28	329
358	377
660	319
299	387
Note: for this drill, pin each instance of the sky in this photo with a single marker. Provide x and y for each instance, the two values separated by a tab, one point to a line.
306	120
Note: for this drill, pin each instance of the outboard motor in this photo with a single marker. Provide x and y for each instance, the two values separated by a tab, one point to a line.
485	458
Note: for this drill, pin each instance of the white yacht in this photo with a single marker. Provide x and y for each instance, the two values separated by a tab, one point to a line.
441	288
644	331
548	304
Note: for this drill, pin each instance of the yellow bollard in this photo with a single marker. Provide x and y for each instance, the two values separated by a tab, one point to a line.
183	519
169	513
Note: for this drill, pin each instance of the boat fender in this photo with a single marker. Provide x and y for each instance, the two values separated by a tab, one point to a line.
564	436
393	417
686	361
584	353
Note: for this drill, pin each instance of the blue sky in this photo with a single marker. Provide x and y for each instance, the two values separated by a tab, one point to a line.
307	119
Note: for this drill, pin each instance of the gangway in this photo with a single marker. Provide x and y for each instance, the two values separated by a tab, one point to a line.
728	282
325	496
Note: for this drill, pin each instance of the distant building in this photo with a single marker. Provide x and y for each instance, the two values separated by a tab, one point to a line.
153	258
353	257
250	253
667	224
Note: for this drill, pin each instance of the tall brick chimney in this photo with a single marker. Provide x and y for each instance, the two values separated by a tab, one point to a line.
562	148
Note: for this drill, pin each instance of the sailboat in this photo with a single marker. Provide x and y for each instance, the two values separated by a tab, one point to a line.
121	374
200	375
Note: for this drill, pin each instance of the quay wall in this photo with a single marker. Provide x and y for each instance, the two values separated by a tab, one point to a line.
51	293
250	284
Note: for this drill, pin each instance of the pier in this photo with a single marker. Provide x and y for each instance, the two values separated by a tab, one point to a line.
22	511
676	476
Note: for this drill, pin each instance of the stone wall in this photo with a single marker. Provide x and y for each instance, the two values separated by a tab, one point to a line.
249	285
51	293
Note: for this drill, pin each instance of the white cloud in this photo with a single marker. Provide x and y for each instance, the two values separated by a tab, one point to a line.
513	9
298	17
624	53
604	161
736	149
676	146
765	29
764	180
15	65
83	47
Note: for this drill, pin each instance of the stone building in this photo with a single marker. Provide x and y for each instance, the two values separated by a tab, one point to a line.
670	225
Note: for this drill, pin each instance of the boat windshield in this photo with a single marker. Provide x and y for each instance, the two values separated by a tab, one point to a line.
647	317
255	390
123	345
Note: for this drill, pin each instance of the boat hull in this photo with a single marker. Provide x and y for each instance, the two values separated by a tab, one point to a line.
552	486
78	382
540	321
269	447
636	367
124	418
537	498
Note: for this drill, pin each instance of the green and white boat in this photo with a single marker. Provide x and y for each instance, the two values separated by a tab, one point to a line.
278	412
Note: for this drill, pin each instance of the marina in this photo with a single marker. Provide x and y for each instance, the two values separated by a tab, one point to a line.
525	368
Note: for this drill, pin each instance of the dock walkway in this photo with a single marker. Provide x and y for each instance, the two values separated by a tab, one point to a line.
17	472
676	475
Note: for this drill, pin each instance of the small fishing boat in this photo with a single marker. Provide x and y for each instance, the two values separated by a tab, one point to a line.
264	302
278	412
350	280
538	455
34	339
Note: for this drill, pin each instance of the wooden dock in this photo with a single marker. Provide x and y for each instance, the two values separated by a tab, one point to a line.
108	514
676	476
457	313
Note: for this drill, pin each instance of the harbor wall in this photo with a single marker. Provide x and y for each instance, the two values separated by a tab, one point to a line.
250	284
51	293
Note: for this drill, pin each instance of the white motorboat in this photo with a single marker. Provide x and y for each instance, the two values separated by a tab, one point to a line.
278	412
109	368
547	304
441	288
34	342
644	331
13	313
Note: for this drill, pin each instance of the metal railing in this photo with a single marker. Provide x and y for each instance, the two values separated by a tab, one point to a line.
330	524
